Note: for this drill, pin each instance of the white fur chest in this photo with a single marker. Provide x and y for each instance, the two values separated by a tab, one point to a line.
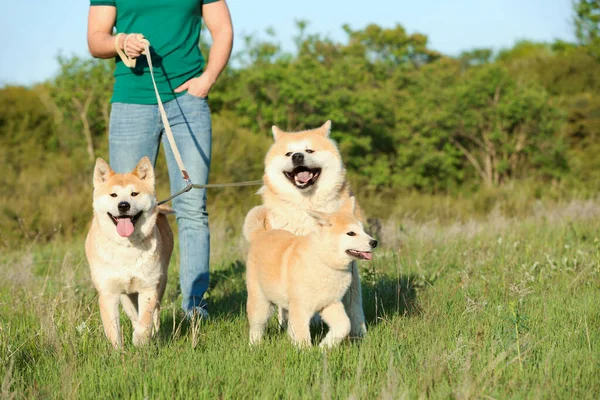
330	287
126	267
296	220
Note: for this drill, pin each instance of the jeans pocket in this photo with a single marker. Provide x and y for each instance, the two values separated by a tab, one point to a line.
197	97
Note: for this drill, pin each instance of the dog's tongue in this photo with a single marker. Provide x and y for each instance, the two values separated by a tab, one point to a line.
125	227
303	176
366	255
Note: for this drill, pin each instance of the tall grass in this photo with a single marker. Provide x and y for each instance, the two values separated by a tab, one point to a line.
496	306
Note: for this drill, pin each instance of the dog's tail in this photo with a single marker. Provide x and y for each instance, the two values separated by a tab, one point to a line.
256	222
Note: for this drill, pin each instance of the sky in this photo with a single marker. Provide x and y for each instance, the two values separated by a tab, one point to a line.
34	32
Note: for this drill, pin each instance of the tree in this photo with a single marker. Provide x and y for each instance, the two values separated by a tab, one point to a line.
25	128
81	92
475	57
587	25
424	158
507	128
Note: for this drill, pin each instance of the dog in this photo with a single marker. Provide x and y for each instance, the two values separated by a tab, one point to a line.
303	274
304	171
128	248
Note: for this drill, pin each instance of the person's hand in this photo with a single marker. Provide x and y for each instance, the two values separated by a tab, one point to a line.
132	47
198	87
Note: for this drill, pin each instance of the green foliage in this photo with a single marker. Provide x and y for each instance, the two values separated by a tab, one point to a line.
407	120
562	69
587	23
476	57
80	95
571	76
506	128
25	125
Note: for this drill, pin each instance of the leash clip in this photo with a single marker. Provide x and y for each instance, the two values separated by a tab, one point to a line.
186	179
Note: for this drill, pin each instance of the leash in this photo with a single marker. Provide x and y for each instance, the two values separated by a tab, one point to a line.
191	186
130	63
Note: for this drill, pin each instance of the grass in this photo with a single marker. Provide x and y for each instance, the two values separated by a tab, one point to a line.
498	307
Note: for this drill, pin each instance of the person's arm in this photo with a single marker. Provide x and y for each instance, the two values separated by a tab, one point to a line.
101	42
218	21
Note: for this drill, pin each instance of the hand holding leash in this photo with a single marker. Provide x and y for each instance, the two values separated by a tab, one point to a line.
134	45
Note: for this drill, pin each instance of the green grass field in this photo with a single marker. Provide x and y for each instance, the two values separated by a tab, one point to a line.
490	308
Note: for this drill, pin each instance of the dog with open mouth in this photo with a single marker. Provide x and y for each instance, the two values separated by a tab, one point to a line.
128	248
304	171
303	274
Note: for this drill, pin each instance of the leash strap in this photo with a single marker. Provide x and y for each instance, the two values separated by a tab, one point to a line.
130	63
163	115
191	186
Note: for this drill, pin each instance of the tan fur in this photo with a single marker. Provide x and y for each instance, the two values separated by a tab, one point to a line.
130	270
303	275
288	207
256	222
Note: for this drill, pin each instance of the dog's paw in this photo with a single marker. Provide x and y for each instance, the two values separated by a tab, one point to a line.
328	345
255	338
333	339
117	345
141	337
301	344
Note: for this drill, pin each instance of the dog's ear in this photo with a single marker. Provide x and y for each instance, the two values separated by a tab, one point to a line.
325	129
144	171
102	172
277	133
321	218
349	205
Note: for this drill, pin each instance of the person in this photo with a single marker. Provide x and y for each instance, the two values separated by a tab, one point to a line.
184	81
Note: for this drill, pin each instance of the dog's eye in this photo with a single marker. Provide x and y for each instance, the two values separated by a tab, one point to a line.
113	195
351	233
310	151
133	194
289	153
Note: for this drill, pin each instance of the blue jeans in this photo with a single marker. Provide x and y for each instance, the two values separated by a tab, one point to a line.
136	130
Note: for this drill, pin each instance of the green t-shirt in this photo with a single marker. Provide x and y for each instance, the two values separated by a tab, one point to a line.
173	29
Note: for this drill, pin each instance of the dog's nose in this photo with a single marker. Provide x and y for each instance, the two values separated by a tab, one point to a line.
297	158
373	243
123	206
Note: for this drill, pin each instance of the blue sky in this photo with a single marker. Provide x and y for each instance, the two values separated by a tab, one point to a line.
34	32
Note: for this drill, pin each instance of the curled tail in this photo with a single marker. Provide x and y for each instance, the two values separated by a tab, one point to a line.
256	222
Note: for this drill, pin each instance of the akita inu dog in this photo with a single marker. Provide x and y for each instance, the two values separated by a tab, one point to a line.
303	274
304	171
128	248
